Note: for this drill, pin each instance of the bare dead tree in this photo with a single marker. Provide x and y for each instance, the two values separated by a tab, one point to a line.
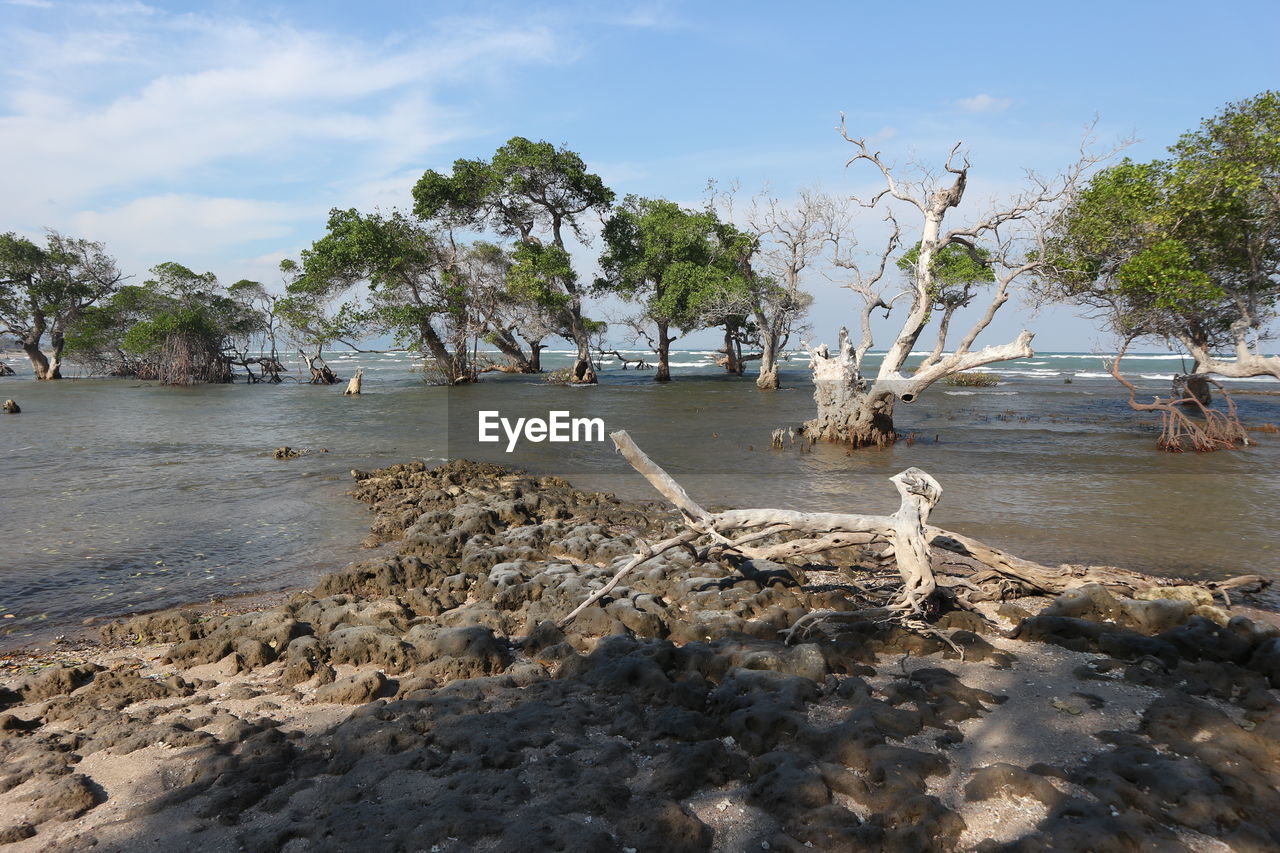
792	237
640	363
858	409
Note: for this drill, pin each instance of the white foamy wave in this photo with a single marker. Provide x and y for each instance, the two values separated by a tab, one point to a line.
960	393
1093	376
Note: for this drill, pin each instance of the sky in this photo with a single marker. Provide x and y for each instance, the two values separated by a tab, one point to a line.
219	135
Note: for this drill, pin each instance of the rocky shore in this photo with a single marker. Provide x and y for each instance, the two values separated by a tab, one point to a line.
425	700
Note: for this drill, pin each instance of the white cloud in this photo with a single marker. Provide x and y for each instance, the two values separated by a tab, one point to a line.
141	126
984	103
194	230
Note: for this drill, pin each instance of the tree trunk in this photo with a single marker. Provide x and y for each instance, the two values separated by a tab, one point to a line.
730	362
40	364
508	346
664	355
1193	385
848	411
321	374
452	364
584	370
353	387
767	380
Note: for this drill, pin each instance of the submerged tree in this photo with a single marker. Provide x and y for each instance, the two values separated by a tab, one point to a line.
526	189
674	263
789	239
512	317
1185	251
46	289
415	287
178	327
1007	240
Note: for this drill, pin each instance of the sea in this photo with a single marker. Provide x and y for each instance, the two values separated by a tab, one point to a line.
119	497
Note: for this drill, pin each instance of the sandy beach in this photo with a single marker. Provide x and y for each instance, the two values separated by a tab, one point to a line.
424	699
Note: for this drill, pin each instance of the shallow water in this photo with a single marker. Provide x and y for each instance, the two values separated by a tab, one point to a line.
118	496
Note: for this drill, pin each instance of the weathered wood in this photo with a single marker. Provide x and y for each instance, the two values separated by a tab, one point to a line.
909	536
353	387
646	553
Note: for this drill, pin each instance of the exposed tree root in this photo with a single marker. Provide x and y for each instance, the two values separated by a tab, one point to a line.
1214	431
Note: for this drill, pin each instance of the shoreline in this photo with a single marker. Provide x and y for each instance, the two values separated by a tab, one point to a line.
423	697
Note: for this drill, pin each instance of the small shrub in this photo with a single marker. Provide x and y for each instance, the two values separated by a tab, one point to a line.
559	376
972	379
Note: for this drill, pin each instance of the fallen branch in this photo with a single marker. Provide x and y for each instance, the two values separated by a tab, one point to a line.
907	533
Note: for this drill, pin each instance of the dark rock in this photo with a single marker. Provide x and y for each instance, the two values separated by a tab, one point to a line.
353	690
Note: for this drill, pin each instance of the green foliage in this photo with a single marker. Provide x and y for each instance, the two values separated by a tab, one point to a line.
525	188
389	274
46	289
1186	248
675	262
972	379
538	274
953	266
178	326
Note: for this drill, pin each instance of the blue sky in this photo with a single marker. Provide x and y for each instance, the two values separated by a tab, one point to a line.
220	134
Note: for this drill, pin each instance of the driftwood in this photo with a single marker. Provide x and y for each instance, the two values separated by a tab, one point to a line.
906	536
353	387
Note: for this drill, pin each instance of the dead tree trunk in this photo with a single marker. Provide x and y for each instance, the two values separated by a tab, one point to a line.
907	534
848	410
859	410
734	529
353	387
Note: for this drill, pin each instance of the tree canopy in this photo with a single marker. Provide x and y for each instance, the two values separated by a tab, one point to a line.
1185	249
676	263
45	289
526	189
177	327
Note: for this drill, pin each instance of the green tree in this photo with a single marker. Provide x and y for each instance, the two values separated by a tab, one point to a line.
416	287
179	327
46	289
527	189
676	263
1185	250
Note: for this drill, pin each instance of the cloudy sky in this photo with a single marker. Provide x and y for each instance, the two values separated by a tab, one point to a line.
220	134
